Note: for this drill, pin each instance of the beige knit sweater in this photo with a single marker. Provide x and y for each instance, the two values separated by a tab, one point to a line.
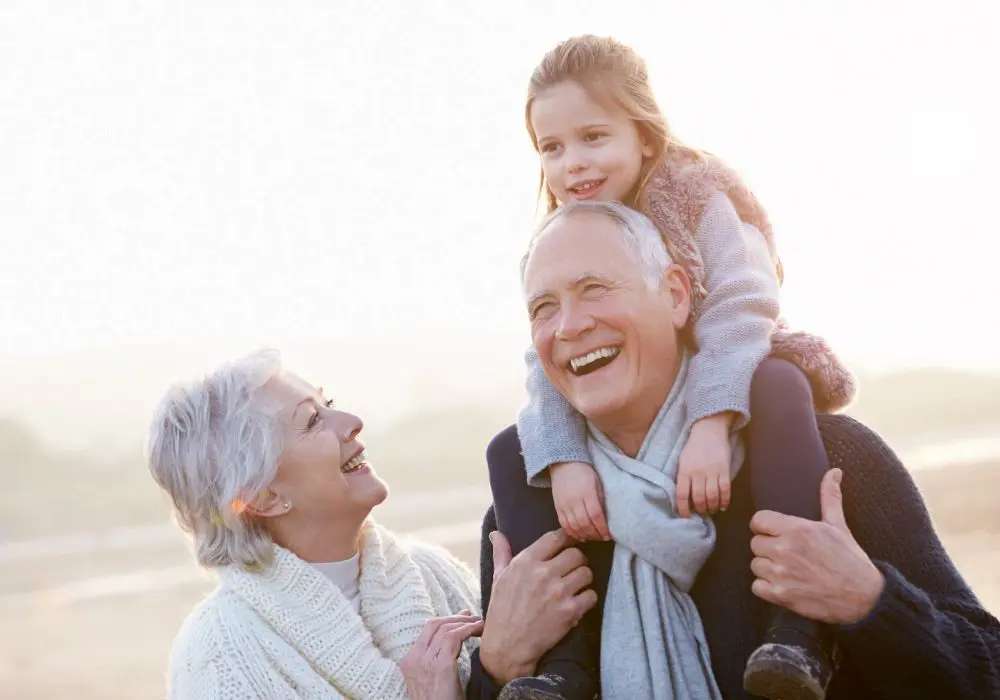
288	632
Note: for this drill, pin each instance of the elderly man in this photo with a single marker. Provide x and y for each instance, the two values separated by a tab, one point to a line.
872	569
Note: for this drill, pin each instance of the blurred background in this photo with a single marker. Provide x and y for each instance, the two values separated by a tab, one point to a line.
352	183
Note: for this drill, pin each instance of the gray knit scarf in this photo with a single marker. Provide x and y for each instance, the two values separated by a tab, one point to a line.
652	640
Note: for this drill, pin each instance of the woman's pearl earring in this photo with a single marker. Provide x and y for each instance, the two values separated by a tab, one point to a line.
288	505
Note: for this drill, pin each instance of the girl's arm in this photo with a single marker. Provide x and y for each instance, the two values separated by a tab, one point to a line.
734	325
551	431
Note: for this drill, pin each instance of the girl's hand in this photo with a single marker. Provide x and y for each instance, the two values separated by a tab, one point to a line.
579	501
703	475
430	669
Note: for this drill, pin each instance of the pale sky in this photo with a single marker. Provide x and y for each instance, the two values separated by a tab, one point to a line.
184	172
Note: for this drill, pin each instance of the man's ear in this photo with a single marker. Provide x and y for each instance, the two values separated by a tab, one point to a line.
268	504
677	285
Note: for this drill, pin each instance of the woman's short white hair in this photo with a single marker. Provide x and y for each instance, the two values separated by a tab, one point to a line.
638	234
213	448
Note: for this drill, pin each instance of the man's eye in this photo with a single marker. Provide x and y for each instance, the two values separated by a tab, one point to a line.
541	308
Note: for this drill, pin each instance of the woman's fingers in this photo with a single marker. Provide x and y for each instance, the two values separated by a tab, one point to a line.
433	627
449	638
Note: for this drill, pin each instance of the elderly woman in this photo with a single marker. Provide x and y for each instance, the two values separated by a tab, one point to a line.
315	600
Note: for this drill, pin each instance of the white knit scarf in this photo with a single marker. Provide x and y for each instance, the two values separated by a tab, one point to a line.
327	649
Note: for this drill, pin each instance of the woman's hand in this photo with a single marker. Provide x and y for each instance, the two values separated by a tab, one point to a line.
430	669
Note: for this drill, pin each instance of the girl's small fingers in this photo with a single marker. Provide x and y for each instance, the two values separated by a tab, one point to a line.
683	493
725	492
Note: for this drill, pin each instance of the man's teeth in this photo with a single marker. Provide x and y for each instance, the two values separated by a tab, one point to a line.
578	363
354	463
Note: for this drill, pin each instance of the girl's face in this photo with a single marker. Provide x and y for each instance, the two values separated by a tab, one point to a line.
589	150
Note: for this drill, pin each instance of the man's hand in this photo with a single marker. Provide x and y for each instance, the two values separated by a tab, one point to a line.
538	596
703	472
815	569
579	500
430	669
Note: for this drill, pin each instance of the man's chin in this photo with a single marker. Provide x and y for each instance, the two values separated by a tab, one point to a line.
598	407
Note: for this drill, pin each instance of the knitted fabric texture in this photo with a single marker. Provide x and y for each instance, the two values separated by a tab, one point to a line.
288	632
928	638
652	633
675	199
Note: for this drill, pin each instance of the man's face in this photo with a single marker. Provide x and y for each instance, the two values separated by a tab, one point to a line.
607	341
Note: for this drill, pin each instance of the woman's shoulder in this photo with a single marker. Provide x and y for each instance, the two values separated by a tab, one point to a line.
200	639
432	557
437	564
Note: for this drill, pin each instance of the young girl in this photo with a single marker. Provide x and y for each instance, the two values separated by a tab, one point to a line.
600	135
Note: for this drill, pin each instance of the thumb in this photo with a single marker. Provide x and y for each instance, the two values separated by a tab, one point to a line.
501	552
831	499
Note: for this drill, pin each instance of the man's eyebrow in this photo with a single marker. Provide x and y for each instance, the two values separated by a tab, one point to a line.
590	276
536	296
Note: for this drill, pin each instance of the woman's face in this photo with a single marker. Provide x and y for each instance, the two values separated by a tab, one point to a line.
323	472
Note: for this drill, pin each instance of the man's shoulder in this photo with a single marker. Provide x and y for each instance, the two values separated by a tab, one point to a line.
845	437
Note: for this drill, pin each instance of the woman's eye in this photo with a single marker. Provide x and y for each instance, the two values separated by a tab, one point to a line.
313	420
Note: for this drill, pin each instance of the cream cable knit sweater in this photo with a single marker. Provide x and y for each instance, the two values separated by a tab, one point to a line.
288	632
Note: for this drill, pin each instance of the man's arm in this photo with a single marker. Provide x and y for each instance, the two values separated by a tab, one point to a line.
530	602
873	567
481	684
928	636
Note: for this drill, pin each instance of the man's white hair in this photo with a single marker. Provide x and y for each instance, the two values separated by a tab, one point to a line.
638	234
212	447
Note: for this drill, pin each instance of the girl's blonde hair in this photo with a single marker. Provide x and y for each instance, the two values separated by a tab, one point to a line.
605	67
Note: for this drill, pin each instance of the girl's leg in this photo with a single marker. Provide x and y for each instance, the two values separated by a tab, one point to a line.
787	464
787	456
524	513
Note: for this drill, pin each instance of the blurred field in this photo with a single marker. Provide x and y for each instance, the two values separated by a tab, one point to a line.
92	618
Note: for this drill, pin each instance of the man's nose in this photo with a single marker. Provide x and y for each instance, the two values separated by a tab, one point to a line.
573	322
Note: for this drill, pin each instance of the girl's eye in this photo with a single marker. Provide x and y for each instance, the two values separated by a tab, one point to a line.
549	147
593	136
